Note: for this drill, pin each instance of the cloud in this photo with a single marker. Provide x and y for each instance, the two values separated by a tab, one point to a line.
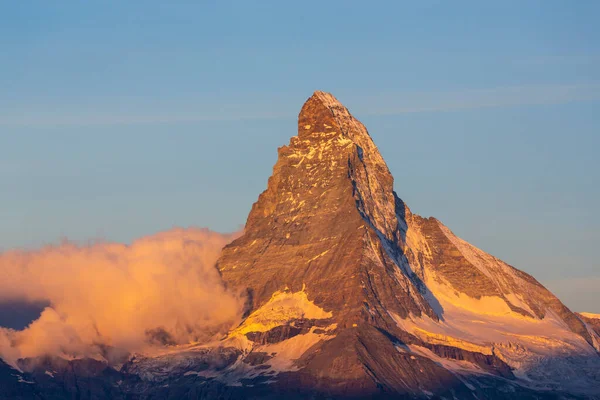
500	97
380	104
108	119
162	289
560	60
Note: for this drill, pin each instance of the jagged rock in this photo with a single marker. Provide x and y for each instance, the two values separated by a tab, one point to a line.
330	226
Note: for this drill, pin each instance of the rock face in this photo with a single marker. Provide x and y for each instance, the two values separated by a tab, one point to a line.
327	225
330	225
349	294
327	220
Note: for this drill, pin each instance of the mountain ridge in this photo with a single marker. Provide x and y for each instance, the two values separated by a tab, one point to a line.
402	255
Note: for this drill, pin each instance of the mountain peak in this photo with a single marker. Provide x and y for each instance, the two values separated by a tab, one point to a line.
329	248
330	189
321	113
328	99
324	112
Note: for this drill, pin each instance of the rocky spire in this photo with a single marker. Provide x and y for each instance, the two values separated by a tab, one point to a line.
328	247
328	217
325	233
370	174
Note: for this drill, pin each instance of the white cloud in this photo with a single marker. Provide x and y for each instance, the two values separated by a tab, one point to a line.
510	96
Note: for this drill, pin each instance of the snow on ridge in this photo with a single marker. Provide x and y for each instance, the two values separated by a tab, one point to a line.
541	351
544	351
590	315
503	275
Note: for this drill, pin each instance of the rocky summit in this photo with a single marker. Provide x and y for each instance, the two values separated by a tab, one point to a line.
348	294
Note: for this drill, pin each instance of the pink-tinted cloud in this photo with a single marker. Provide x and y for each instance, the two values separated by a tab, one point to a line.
162	289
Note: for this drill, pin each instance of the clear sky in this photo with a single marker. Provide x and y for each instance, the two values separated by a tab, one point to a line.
122	118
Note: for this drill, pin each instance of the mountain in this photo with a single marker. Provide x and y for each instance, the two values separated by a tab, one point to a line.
351	295
404	306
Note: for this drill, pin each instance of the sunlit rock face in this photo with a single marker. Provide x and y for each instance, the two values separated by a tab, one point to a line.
415	308
327	225
326	221
348	294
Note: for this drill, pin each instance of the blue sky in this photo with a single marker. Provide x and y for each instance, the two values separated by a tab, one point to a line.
120	119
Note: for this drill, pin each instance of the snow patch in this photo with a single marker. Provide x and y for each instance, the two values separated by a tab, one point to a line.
505	277
590	315
318	256
289	351
541	351
20	379
283	306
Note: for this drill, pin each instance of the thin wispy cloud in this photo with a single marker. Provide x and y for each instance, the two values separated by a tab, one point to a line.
382	104
42	120
501	97
560	60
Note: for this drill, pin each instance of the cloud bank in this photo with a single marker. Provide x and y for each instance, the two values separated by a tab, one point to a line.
107	299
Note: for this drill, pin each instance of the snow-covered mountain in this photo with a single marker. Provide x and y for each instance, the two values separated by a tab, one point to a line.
350	294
